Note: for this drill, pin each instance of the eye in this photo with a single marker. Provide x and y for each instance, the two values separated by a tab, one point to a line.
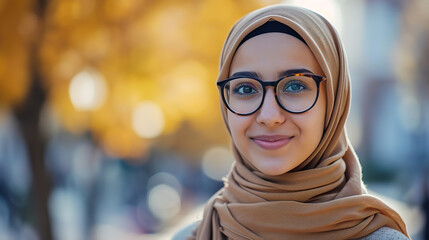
295	87
245	89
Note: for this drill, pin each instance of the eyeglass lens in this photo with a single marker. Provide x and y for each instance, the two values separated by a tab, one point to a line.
294	93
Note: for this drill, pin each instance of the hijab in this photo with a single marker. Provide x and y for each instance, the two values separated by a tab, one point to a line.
324	197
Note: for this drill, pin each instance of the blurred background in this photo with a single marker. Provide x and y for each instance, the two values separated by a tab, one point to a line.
110	126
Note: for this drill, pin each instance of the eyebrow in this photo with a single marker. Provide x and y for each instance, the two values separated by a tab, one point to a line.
280	74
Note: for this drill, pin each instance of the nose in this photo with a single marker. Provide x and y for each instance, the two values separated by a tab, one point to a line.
270	114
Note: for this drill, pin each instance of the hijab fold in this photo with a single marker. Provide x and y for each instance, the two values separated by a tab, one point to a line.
322	198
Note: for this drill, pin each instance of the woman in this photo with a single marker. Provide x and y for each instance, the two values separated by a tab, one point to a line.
285	93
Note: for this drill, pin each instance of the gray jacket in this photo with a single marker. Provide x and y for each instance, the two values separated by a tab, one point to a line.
383	233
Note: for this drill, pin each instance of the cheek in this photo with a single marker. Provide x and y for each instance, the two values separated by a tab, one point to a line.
233	123
312	123
315	122
237	126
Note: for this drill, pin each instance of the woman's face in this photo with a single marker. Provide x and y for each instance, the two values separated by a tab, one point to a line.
272	139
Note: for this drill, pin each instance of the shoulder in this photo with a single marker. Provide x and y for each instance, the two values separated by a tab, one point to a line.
185	232
386	233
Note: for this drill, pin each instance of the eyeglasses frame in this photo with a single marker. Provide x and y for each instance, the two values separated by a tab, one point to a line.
318	79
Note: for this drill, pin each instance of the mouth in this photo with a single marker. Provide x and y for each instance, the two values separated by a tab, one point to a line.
271	142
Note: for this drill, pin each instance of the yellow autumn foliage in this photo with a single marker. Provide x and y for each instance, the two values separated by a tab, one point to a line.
161	51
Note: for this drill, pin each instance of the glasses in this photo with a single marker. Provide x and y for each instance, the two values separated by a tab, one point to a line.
295	93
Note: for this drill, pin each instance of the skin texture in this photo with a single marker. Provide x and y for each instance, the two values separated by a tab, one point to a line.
269	54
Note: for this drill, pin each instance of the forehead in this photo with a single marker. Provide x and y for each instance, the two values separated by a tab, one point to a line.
270	53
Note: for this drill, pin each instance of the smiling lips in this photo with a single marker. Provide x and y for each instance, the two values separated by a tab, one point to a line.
271	142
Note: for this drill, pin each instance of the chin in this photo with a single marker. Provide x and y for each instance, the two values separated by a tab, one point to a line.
273	169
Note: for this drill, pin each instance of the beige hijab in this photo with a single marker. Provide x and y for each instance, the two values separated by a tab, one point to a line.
324	197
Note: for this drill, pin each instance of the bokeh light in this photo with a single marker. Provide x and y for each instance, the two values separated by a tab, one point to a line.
164	201
148	120
217	162
164	178
164	195
87	90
